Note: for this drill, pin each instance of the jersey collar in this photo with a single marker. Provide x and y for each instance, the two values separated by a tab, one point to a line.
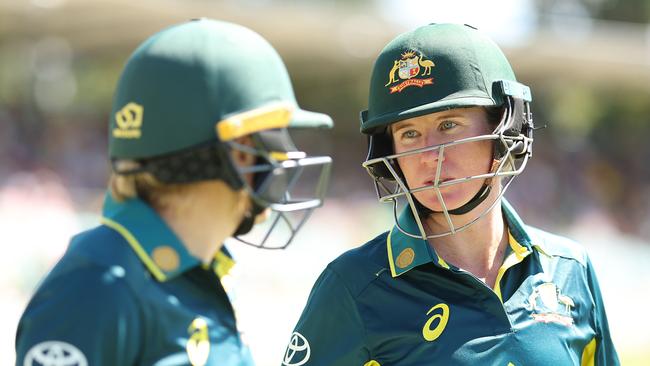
157	246
518	231
406	253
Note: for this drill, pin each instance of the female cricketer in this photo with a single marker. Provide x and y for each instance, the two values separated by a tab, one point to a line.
200	151
459	279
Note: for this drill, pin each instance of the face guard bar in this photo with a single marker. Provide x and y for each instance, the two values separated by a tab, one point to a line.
290	184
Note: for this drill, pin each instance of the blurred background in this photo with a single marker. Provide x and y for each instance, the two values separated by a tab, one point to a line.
587	61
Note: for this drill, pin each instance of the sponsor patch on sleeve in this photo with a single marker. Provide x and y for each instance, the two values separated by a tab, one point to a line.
298	351
54	353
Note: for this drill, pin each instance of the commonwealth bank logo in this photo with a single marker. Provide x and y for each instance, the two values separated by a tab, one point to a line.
409	71
128	121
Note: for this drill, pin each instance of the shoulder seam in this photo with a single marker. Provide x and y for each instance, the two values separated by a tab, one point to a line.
539	235
379	268
583	265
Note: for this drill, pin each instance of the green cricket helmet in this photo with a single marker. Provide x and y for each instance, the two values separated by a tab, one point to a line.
434	68
189	92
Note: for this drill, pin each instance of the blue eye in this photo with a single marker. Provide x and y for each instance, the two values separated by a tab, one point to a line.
446	125
410	134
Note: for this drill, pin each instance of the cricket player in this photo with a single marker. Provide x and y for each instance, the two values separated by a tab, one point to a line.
200	151
460	279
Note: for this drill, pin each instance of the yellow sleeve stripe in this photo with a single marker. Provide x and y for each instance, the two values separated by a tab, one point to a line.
137	248
589	354
276	115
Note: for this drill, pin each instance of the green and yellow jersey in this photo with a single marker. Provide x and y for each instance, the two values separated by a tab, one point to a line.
129	293
393	301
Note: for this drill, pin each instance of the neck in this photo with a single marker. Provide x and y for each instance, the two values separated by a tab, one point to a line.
478	249
203	218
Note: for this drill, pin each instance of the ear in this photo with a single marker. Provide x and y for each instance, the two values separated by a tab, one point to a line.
263	216
242	158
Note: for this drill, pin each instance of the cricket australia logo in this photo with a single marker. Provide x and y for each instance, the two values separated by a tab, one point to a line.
549	305
298	351
410	69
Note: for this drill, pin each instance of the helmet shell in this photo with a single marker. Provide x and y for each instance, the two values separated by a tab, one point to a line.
433	68
182	81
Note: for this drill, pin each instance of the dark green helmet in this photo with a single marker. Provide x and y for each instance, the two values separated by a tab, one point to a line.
190	91
185	79
433	68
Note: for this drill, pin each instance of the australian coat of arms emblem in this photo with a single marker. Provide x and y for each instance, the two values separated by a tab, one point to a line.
549	305
408	71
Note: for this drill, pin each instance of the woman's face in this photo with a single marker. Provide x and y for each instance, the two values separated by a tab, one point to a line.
458	161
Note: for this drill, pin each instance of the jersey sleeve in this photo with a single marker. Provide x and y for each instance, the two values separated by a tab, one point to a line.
330	331
604	353
86	316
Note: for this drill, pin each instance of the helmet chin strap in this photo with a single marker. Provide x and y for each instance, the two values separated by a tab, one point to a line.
478	198
248	221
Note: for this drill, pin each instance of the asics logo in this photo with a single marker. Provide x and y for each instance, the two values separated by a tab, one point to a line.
438	321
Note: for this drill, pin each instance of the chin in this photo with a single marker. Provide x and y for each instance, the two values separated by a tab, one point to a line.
453	200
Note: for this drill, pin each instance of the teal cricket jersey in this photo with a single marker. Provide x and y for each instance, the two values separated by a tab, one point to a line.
394	302
129	293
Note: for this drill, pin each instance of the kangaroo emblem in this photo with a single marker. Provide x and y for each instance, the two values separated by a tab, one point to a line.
409	70
391	75
426	64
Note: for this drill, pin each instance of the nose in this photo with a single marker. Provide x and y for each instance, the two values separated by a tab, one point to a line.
431	157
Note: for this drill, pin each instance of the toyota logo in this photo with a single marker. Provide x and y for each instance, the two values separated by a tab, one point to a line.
55	353
298	351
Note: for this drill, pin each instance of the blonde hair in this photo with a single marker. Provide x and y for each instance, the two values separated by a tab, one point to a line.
145	187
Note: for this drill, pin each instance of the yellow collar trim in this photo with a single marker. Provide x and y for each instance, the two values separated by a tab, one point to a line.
519	252
540	249
222	264
391	259
137	248
443	263
389	247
